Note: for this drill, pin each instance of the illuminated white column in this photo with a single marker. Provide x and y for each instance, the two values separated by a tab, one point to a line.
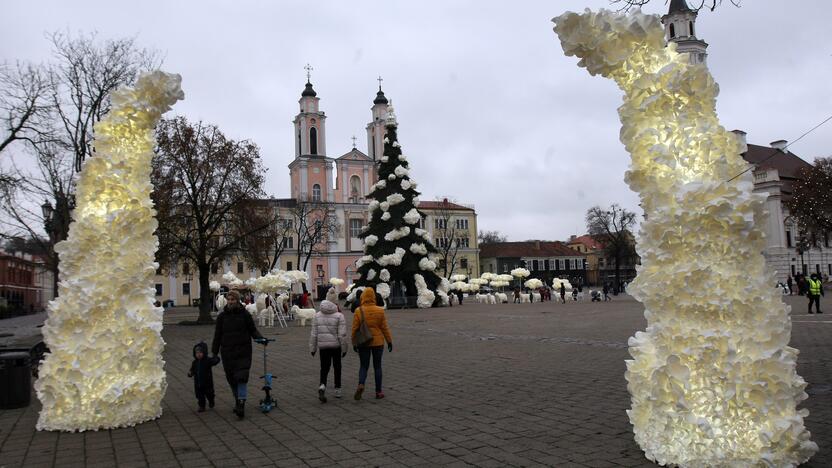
105	368
713	380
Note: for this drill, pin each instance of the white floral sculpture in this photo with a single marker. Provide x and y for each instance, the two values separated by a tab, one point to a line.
556	282
520	273
105	368
533	283
713	380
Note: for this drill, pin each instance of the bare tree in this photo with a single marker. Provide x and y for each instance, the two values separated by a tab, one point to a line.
263	250
491	237
315	224
53	108
695	5
25	92
450	237
50	180
206	188
82	78
612	228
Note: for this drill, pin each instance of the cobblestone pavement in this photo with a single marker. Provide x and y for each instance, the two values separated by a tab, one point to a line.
484	385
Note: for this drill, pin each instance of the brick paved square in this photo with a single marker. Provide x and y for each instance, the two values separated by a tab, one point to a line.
482	385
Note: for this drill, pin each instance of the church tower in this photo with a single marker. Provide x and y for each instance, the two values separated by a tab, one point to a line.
375	129
679	25
311	170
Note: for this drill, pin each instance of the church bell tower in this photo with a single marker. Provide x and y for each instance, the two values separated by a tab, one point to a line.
679	25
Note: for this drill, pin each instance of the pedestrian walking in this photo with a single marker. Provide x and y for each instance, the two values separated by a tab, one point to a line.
232	341
329	339
814	292
203	375
607	292
516	295
376	321
790	284
459	296
562	293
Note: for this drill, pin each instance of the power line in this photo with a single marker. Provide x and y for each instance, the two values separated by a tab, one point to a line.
774	152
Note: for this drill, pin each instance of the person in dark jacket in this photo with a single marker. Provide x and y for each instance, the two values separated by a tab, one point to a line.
203	375
356	302
232	341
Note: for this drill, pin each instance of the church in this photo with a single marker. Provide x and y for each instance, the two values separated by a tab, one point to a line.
339	184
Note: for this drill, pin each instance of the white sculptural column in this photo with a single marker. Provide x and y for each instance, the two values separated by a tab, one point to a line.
713	379
104	368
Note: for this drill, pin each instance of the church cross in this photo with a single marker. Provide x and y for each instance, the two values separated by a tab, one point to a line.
308	69
353	141
379	82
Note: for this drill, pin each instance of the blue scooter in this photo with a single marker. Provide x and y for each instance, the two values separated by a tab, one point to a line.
267	403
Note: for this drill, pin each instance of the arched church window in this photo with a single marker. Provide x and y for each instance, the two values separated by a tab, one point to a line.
316	192
313	141
691	28
355	188
672	31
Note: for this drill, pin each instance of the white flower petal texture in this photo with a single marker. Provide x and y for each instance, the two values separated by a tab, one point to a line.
713	381
105	368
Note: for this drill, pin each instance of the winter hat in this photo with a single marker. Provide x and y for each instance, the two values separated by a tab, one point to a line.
328	307
201	346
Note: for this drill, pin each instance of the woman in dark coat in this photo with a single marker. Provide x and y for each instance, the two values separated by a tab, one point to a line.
232	341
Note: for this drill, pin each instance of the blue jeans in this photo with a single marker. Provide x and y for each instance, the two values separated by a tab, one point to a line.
364	356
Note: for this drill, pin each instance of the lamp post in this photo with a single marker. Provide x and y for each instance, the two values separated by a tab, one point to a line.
188	277
49	225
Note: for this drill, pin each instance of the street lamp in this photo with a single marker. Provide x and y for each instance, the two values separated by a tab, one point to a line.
47	210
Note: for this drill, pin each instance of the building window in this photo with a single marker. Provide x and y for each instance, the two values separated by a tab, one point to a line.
817	268
288	266
313	140
158	289
829	267
462	223
421	222
159	270
690	23
463	263
567	264
557	264
826	239
240	267
186	289
672	31
355	189
505	268
534	265
462	242
793	272
186	269
440	223
316	192
355	227
289	242
584	264
788	238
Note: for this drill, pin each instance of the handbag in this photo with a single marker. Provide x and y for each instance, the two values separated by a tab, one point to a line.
363	336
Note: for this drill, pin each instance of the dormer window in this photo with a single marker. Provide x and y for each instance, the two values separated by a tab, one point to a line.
672	31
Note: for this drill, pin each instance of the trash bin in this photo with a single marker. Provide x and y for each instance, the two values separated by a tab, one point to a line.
15	379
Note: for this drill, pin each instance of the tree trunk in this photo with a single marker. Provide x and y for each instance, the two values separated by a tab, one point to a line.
204	295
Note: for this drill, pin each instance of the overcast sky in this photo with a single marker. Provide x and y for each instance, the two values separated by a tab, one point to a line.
490	111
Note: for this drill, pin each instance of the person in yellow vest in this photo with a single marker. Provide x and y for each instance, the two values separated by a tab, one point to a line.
815	292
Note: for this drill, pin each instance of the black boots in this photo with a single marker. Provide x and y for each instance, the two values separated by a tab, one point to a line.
240	409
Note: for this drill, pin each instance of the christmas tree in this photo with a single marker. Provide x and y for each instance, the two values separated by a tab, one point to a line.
397	252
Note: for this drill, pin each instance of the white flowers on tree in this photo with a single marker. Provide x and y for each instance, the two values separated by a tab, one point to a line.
713	380
396	250
533	283
412	216
104	368
214	286
397	234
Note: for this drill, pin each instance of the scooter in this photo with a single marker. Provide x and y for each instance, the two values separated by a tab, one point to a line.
267	403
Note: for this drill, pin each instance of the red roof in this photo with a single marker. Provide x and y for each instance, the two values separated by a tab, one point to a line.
437	205
588	241
526	249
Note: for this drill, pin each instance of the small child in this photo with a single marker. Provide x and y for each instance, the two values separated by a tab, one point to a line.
203	375
329	338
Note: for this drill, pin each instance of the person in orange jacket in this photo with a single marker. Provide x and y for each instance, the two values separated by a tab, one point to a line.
376	321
